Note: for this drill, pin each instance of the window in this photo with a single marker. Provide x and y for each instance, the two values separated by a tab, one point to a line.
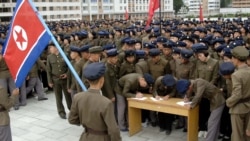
93	1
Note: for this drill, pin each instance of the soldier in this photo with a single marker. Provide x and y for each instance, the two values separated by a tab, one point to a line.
33	80
238	102
57	78
164	89
128	66
160	40
100	123
141	66
188	40
129	86
6	102
202	88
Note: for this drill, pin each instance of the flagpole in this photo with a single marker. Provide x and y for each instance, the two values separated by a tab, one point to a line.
160	14
59	48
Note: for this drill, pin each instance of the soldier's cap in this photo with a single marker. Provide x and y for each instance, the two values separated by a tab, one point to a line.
2	41
137	23
236	30
103	33
176	50
186	54
226	68
240	53
94	71
130	41
234	44
200	29
189	38
154	42
129	53
199	47
108	46
124	40
154	52
84	48
174	34
168	80
153	35
82	33
140	53
148	78
167	30
95	49
66	36
220	48
148	45
117	29
169	44
218	31
156	29
181	44
161	39
239	38
194	36
112	52
227	52
204	40
74	48
137	41
138	30
156	23
182	86
148	29
218	40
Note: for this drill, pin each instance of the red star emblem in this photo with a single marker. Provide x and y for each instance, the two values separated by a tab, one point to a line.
20	37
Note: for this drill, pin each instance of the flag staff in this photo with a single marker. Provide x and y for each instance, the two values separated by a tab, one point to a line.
160	14
59	49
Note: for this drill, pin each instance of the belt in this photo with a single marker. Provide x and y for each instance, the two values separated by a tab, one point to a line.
95	132
2	109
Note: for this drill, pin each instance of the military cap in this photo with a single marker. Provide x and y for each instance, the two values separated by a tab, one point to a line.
74	49
118	29
218	40
84	48
198	47
174	34
227	52
220	47
137	41
168	80
148	29
218	31
182	86
156	29
102	33
236	30
148	45
161	39
169	44
130	41
154	52
66	37
140	53
235	44
108	46
148	78
129	53
176	50
154	42
82	33
94	71
186	54
95	49
124	40
137	23
112	52
138	30
153	35
156	23
226	68
189	38
181	44
240	53
2	41
167	30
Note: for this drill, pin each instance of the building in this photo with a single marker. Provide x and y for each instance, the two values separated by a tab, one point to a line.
88	9
209	7
240	3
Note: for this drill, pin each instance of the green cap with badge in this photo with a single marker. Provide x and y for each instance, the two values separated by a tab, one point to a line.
240	53
95	49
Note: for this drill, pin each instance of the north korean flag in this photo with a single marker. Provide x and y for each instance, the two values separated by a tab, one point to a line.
26	40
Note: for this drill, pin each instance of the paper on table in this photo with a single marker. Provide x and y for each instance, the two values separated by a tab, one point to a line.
182	103
143	98
154	99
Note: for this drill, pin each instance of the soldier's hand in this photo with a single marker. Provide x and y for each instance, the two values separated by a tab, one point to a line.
157	97
248	132
63	76
113	99
166	97
50	85
139	95
15	91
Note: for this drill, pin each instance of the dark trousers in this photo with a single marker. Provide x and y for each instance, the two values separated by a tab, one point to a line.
225	126
165	121
204	113
145	114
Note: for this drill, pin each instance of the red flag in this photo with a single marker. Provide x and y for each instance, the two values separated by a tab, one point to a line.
201	14
126	14
25	42
153	5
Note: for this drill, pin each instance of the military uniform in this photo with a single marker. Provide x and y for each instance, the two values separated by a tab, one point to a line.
56	67
239	101
6	103
100	124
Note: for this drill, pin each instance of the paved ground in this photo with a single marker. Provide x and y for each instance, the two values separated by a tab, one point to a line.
39	121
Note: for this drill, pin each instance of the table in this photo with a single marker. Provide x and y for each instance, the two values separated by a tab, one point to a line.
165	106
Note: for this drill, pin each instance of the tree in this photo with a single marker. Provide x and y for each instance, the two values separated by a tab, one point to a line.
177	5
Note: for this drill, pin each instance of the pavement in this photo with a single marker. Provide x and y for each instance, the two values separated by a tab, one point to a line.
39	121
